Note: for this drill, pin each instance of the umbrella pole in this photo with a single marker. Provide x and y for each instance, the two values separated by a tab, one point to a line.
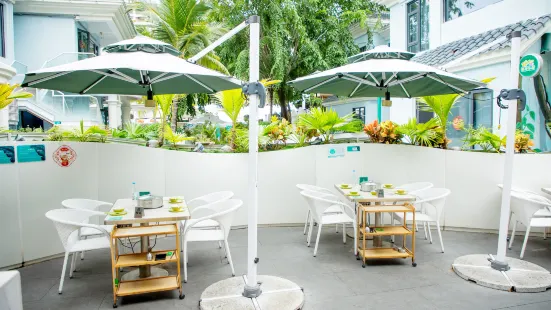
499	262
252	288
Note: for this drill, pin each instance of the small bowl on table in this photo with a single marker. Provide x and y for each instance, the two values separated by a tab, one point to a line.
346	186
388	186
354	193
118	210
401	191
175	208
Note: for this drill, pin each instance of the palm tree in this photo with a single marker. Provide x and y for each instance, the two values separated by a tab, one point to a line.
232	102
326	122
184	24
164	102
441	105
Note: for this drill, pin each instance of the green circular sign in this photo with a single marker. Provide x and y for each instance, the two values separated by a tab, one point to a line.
530	65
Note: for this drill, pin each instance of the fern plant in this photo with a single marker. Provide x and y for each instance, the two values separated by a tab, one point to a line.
173	137
327	122
483	138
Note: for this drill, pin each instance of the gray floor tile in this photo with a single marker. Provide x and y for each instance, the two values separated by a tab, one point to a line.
333	279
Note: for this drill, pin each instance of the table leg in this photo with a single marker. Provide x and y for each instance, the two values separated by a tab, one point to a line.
145	271
377	240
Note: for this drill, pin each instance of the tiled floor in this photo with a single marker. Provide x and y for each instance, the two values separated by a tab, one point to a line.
332	280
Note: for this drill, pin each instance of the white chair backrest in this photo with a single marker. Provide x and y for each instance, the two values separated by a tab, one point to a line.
67	223
412	188
208	199
314	188
319	202
86	204
525	204
432	201
221	212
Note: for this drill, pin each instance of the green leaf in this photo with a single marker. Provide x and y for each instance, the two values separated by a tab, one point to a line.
531	127
532	115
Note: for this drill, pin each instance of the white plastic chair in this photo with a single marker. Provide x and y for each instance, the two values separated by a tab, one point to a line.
411	188
319	203
205	200
221	212
68	222
543	212
525	206
428	209
90	205
330	210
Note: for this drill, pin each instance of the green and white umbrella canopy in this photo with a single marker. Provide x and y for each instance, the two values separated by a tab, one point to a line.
375	76
132	67
381	52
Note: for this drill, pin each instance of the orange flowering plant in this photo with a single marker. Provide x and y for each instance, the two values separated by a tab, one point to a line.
384	132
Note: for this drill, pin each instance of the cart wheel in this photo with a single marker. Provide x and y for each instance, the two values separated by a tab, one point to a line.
115	305
182	296
363	265
414	264
357	258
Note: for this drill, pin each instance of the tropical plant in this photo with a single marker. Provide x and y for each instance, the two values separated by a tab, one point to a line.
523	142
164	103
483	138
441	106
117	133
301	136
423	134
384	132
173	137
55	134
92	134
7	94
97	133
232	102
277	132
326	122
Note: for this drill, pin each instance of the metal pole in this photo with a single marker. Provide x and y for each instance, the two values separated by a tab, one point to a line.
252	289
509	153
220	40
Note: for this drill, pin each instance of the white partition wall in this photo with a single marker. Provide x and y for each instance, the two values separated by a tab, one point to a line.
106	172
43	185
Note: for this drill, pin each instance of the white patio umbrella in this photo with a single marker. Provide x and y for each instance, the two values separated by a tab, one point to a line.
139	66
386	72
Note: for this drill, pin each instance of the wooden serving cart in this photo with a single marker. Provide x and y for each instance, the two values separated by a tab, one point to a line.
365	230
146	285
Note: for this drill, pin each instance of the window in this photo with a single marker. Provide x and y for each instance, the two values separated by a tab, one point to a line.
85	43
422	116
359	113
473	109
417	25
2	37
457	8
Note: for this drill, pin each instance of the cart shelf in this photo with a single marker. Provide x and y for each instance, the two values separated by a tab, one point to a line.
375	253
388	231
139	259
138	231
149	285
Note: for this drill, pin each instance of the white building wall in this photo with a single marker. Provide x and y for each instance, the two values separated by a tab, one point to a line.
346	108
41	38
398	29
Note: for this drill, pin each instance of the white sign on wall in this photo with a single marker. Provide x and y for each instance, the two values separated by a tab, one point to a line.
335	152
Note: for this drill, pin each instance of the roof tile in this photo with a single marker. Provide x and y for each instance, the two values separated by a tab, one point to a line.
453	50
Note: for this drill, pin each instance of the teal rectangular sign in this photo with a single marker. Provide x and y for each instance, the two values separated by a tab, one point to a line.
31	153
7	155
353	148
57	123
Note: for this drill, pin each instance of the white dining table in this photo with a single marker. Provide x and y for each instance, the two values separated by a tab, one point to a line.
157	215
390	196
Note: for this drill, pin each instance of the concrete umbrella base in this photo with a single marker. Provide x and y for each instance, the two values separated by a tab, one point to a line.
277	294
523	277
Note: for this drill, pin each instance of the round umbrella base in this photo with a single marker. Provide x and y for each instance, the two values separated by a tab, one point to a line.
522	277
277	294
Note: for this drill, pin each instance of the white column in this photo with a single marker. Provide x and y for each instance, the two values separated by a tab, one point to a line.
509	151
114	108
125	110
254	60
436	18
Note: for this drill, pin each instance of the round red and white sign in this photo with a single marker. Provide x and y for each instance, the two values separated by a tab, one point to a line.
64	156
